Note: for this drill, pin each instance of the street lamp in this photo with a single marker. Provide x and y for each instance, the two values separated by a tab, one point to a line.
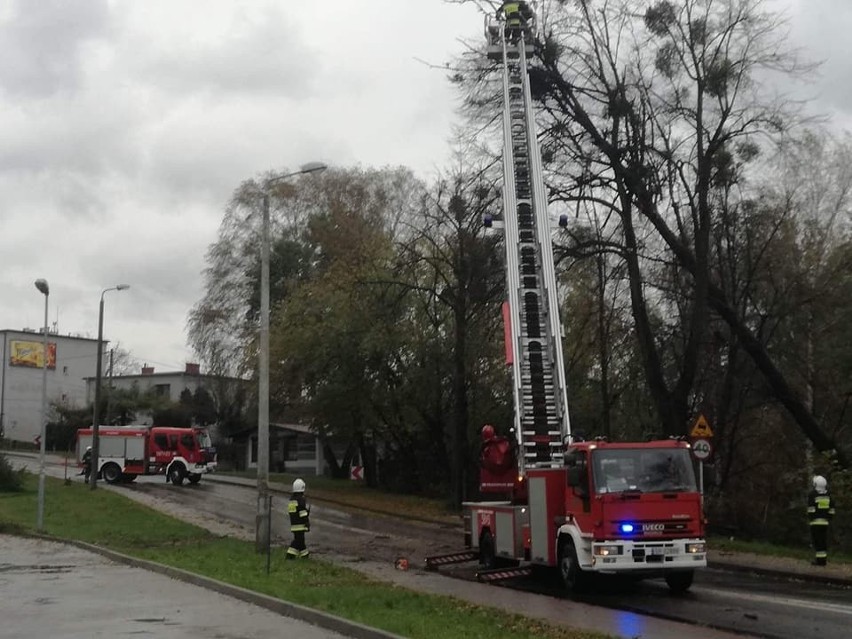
43	287
262	518
96	418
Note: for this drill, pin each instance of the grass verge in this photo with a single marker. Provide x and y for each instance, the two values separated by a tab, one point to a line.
110	520
358	495
804	553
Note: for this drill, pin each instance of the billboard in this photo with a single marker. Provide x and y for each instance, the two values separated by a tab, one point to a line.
31	354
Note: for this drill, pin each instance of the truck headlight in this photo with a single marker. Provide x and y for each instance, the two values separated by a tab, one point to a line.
694	549
606	551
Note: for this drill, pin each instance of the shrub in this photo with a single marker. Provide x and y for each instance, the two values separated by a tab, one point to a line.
11	480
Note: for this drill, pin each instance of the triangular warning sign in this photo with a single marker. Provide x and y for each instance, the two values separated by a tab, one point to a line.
700	428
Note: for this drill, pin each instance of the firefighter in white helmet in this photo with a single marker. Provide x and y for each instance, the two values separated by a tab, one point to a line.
299	512
820	512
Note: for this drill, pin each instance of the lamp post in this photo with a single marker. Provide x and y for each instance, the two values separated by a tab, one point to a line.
43	287
262	522
96	418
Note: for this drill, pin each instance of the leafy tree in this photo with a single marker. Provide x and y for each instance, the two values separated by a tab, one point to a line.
204	407
335	333
455	274
654	120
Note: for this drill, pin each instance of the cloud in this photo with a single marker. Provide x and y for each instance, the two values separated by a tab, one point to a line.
43	45
127	124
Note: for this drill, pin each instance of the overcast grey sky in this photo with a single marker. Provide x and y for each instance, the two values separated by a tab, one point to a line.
125	125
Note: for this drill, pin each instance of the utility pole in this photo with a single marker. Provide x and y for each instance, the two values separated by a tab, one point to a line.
109	393
262	523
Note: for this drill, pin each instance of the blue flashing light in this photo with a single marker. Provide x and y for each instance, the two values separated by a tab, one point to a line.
627	528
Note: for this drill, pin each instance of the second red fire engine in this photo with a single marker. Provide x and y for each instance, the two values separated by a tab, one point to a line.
128	451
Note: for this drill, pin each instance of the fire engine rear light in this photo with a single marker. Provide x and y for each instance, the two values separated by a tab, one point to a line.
694	549
605	551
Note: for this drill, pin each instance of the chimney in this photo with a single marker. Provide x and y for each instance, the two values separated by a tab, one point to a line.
147	370
193	369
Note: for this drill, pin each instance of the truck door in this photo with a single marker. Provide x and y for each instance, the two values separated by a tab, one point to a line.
578	495
164	446
188	446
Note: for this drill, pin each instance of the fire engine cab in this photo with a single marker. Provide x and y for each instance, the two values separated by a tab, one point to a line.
585	507
124	452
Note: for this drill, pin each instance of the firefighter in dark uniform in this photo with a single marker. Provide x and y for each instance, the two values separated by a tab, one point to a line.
517	15
299	512
820	512
87	463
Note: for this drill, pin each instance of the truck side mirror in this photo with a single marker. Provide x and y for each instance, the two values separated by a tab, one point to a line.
577	479
574	476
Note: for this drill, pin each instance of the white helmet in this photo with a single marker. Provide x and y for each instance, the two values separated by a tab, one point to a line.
299	486
88	448
820	485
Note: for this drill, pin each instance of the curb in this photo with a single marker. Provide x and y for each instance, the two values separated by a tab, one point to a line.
345	627
782	574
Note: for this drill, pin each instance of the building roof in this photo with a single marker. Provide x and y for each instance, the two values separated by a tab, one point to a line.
38	333
301	429
173	374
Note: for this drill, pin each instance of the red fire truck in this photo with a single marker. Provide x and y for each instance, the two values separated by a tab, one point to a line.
629	509
585	507
128	451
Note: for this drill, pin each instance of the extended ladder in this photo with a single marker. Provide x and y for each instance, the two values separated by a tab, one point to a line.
541	406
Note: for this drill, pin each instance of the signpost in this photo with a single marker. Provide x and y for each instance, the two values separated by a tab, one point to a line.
702	447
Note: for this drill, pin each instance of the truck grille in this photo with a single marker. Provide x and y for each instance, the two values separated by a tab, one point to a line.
645	528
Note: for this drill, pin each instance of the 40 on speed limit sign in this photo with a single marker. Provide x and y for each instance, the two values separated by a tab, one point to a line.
702	449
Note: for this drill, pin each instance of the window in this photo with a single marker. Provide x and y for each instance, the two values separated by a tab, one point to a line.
163	390
161	441
643	469
188	441
173	442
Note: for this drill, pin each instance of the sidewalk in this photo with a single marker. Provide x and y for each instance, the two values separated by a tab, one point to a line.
53	589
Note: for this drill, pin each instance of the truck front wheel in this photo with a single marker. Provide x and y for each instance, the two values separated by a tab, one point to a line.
575	578
194	478
679	582
111	473
177	474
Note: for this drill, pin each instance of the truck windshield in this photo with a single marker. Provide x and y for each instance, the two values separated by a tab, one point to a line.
647	470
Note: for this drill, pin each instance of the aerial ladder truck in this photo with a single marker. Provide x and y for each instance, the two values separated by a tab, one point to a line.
582	507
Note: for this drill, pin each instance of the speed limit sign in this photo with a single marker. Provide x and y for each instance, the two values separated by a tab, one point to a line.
702	449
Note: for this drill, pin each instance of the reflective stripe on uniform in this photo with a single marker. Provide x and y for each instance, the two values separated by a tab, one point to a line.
819	522
298	528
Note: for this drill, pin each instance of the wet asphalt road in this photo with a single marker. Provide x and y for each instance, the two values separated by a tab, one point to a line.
735	602
740	603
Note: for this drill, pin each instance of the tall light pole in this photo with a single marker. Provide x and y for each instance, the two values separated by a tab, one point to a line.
43	287
262	518
96	418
